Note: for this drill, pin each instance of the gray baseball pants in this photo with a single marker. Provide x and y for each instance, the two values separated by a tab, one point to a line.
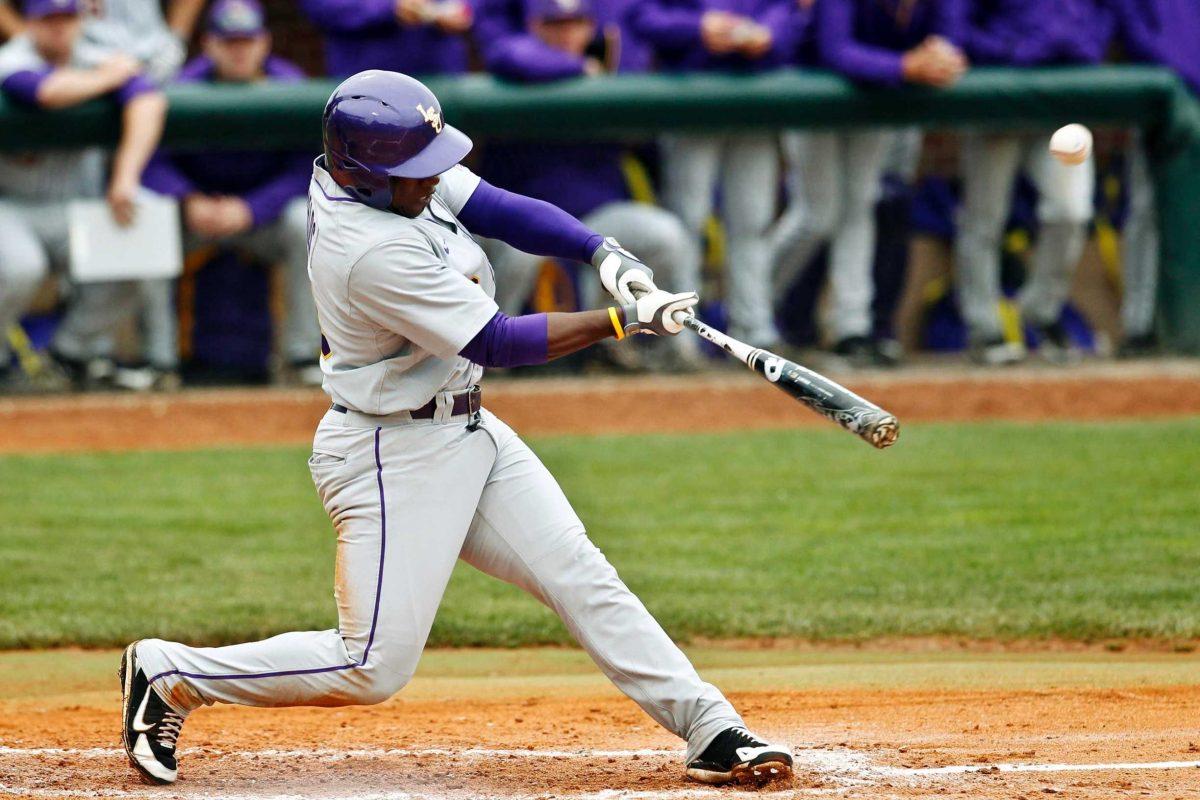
990	164
1139	246
652	234
408	499
282	242
34	238
746	167
833	186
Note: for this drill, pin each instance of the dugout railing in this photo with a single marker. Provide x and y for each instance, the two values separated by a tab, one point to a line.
286	116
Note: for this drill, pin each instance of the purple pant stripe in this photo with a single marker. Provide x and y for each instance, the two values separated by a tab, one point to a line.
374	615
280	674
382	546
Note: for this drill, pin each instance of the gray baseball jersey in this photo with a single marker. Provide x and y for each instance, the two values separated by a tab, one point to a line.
54	175
397	298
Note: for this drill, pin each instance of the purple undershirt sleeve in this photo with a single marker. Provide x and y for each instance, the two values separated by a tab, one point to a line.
350	16
162	176
664	24
841	51
533	226
510	341
524	57
134	87
23	86
268	200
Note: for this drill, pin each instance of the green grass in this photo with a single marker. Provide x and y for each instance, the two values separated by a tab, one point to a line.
45	677
981	530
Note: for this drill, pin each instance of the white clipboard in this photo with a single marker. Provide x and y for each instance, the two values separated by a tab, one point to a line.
100	250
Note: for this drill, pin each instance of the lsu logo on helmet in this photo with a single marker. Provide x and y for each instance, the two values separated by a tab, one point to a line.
432	116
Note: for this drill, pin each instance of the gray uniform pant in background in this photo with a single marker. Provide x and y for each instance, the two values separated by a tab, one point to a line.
407	501
34	237
1139	246
833	185
746	167
650	233
282	242
990	164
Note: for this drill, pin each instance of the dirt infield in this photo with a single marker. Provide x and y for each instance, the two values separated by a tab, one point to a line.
719	402
568	735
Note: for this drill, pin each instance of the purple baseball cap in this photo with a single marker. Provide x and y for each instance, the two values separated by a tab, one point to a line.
39	9
555	10
231	19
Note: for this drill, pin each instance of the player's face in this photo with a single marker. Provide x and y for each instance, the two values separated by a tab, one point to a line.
410	196
569	35
238	59
54	36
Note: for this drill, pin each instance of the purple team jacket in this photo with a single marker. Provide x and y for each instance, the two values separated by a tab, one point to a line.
509	50
578	178
672	29
1031	32
267	181
1163	32
365	34
865	39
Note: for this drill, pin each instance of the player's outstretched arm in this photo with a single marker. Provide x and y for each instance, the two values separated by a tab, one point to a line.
537	338
544	229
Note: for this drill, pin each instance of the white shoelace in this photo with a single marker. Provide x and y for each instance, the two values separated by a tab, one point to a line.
168	729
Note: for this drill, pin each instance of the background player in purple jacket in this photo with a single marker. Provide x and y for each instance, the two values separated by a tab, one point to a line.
735	36
1025	33
586	179
416	37
502	35
1163	32
834	177
250	200
50	66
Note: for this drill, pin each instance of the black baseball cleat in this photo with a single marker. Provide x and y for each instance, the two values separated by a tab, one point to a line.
737	755
149	727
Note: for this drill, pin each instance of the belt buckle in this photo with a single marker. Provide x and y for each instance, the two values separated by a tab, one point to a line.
474	404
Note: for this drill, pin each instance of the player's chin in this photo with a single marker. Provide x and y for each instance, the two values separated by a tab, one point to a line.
417	207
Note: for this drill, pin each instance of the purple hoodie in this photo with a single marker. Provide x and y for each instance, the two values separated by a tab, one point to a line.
576	177
1163	32
267	181
866	39
509	50
1033	32
365	34
672	29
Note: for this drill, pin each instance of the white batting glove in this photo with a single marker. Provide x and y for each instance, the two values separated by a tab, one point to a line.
623	275
655	312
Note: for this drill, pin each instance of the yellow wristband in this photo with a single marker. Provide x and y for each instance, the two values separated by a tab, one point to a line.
616	322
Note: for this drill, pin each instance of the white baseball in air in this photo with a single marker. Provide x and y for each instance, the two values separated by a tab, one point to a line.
1071	144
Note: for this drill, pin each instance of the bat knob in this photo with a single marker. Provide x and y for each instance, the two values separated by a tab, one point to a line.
885	432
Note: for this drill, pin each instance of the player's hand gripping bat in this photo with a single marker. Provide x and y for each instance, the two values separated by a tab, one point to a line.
830	400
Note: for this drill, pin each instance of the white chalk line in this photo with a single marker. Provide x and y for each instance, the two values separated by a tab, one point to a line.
334	754
844	767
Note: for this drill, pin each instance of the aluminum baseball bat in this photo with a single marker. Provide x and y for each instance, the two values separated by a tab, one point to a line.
828	398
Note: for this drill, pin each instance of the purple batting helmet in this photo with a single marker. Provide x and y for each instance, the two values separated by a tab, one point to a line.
381	124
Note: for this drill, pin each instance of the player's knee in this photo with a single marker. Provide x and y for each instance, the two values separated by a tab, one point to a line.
22	271
1066	210
369	686
673	244
578	570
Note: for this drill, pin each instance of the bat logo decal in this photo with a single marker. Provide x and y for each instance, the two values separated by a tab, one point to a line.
773	368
